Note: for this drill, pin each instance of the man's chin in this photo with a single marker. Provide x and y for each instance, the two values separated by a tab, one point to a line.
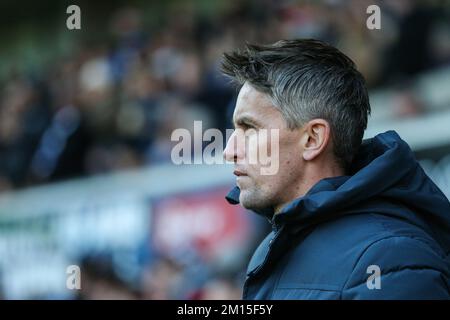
244	199
249	200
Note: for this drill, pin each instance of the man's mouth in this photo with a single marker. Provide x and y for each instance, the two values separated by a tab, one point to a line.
239	173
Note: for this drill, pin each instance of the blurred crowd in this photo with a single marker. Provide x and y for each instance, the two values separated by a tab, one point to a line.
162	280
112	105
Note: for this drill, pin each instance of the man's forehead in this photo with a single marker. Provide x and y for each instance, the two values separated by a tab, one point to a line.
252	103
248	93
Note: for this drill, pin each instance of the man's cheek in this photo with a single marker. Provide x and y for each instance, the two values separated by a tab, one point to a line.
252	149
269	152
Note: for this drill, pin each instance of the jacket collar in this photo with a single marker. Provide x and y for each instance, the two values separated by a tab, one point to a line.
293	207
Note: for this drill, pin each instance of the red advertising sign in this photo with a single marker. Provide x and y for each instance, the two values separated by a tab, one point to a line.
203	221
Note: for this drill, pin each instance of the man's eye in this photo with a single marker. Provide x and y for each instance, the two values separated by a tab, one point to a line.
246	126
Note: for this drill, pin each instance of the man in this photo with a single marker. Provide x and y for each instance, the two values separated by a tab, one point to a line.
350	219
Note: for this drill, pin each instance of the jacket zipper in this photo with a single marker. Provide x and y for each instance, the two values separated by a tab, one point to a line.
255	271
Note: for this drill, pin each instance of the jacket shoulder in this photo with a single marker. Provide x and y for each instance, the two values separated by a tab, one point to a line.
398	267
337	254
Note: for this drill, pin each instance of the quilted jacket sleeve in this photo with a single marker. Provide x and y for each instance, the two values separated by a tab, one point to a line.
399	268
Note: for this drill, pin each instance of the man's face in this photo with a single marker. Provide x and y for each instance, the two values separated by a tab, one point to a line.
255	114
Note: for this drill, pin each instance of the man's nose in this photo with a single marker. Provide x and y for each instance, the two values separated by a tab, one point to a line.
233	148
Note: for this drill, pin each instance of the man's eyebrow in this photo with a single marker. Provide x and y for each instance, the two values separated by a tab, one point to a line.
245	120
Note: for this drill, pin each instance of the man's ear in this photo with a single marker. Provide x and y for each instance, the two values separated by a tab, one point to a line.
315	138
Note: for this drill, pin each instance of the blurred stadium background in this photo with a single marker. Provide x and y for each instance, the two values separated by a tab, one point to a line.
86	117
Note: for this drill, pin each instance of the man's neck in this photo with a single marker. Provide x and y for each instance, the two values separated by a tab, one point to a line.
309	181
